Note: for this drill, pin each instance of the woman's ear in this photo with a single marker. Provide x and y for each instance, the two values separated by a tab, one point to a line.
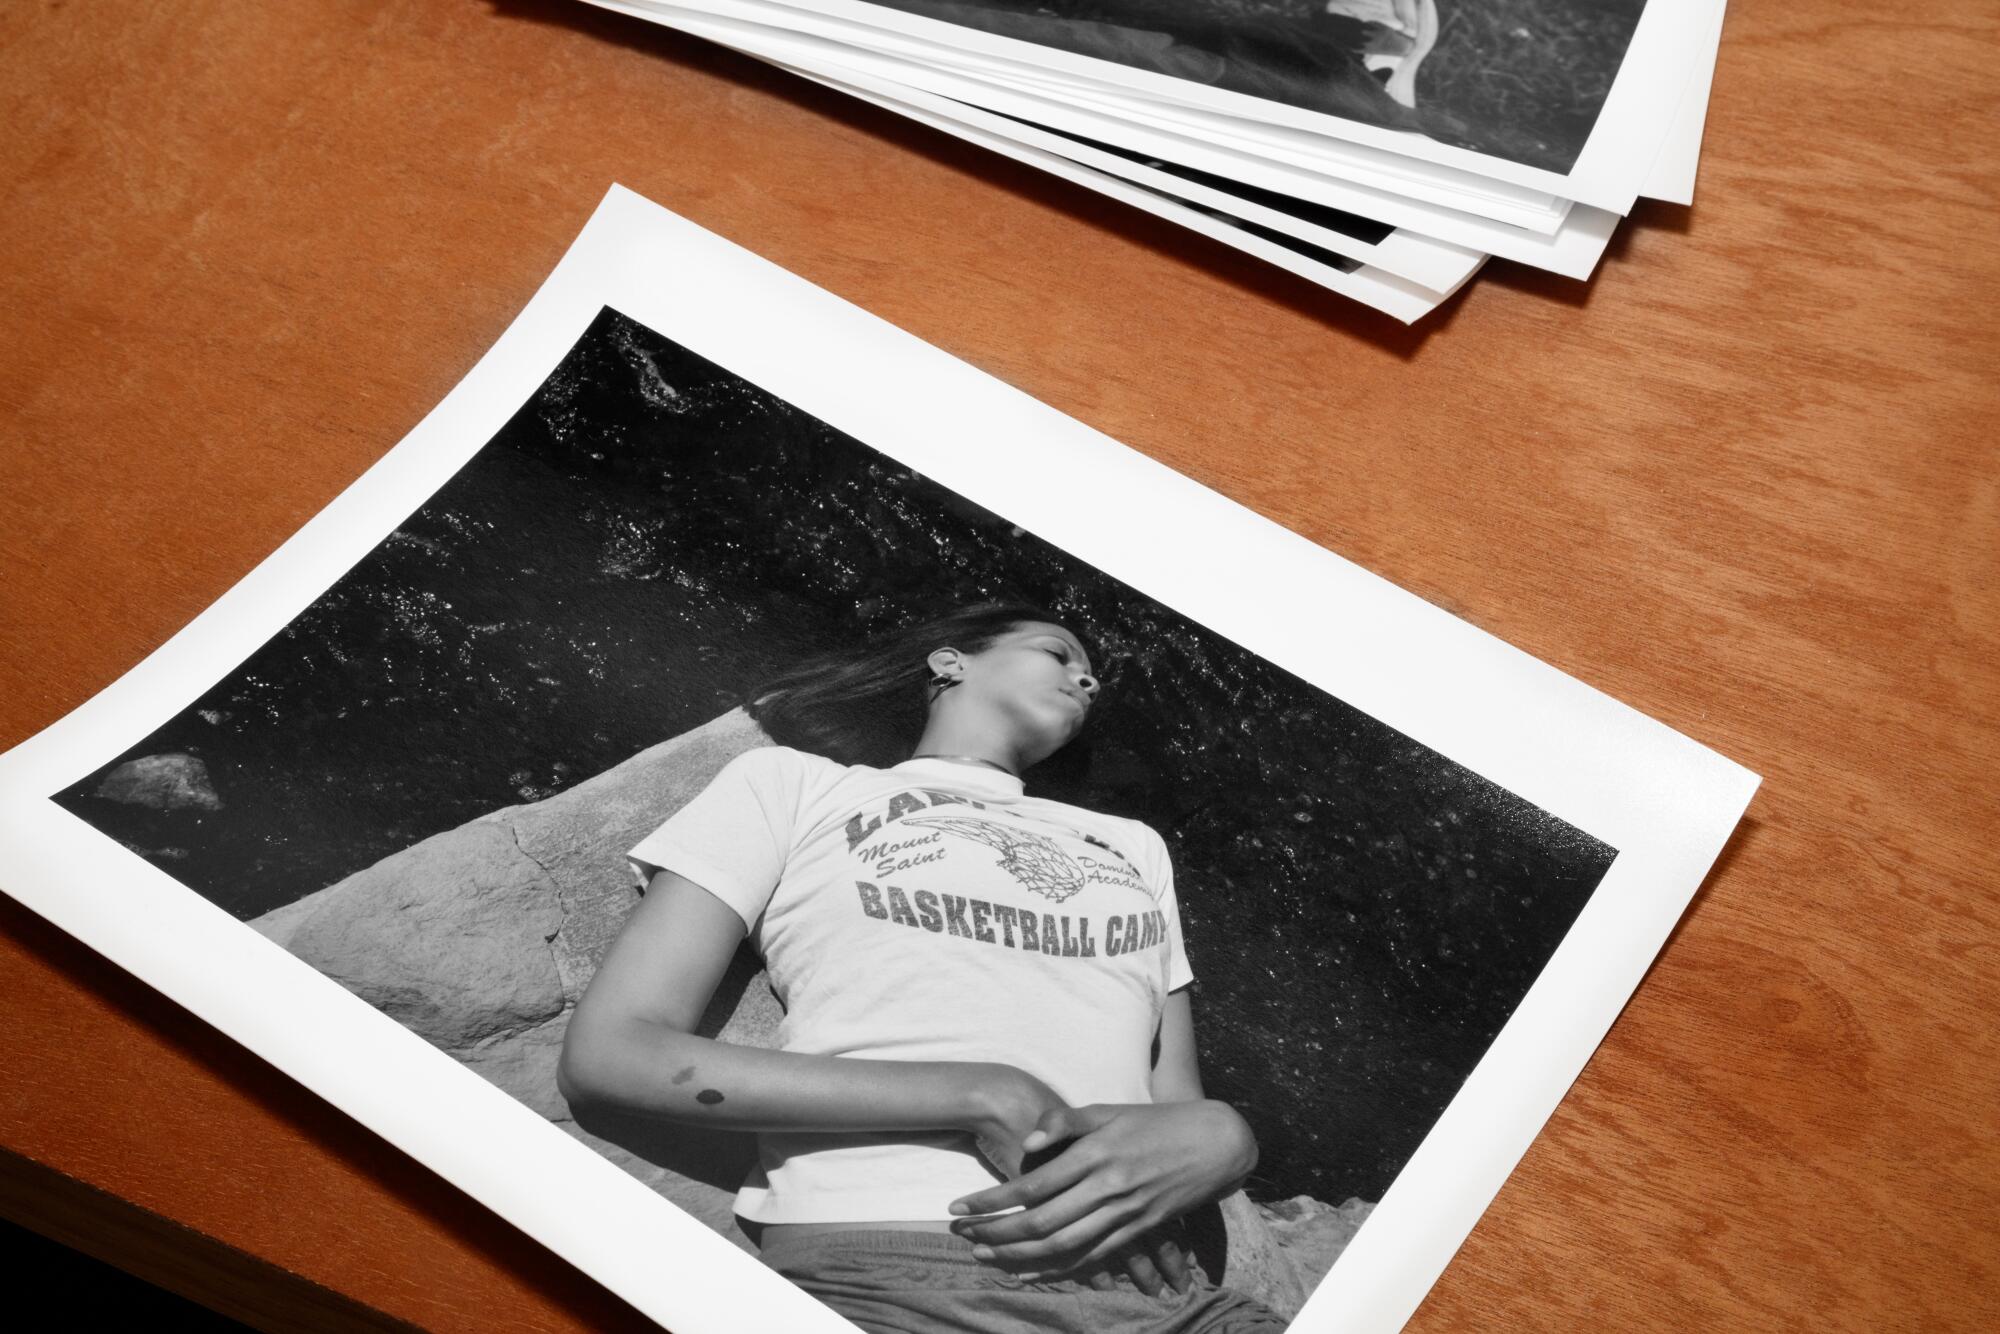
946	663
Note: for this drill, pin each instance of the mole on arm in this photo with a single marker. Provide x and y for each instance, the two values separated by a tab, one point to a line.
684	1074
708	1097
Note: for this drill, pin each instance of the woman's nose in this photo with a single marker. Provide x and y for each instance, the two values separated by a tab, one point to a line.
1087	684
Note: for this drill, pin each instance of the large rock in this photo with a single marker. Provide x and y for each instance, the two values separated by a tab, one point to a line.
169	782
451	937
1252	1261
481	939
1312	1234
575	841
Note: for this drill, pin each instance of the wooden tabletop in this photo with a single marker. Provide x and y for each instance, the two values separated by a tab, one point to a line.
1747	481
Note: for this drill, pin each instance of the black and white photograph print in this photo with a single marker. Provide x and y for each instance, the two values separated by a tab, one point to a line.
982	942
1519	80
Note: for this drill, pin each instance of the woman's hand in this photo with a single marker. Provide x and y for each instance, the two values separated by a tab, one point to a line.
1013	1106
1008	1104
1124	1171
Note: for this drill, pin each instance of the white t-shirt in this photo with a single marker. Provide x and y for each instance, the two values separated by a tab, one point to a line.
930	912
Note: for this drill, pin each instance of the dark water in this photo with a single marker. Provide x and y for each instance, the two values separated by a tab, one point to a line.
650	535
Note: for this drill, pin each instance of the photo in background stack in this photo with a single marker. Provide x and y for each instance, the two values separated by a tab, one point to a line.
1418	871
1521	82
1535	77
1621	132
1530	57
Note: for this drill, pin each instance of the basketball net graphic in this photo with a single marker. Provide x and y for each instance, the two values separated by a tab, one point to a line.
1037	863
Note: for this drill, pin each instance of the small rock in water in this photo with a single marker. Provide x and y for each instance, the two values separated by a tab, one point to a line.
170	782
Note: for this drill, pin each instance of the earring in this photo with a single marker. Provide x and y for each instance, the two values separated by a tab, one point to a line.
940	683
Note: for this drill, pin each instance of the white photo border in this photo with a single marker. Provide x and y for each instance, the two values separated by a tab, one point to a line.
1665	802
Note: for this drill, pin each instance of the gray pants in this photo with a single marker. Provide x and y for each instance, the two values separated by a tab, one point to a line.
892	1282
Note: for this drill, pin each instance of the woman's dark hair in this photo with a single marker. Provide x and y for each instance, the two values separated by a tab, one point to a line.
869	705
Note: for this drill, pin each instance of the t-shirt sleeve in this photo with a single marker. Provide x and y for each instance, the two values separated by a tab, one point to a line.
734	837
1179	972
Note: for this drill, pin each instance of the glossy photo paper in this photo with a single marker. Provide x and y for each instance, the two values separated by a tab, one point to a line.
382	791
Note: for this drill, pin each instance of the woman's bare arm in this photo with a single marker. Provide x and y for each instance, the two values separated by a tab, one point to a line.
1177	1070
631	1047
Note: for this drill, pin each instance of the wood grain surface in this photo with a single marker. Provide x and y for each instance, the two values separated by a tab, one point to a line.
1746	481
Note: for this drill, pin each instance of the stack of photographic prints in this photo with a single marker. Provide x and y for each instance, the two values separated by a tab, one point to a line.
1314	861
1382	149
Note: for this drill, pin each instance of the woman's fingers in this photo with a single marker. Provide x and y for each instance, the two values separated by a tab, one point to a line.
1043	1220
1096	1253
1154	1263
1093	1237
1044	1183
1003	1157
1145	1273
1172	1264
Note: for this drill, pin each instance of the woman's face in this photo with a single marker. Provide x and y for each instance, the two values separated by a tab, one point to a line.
1037	678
